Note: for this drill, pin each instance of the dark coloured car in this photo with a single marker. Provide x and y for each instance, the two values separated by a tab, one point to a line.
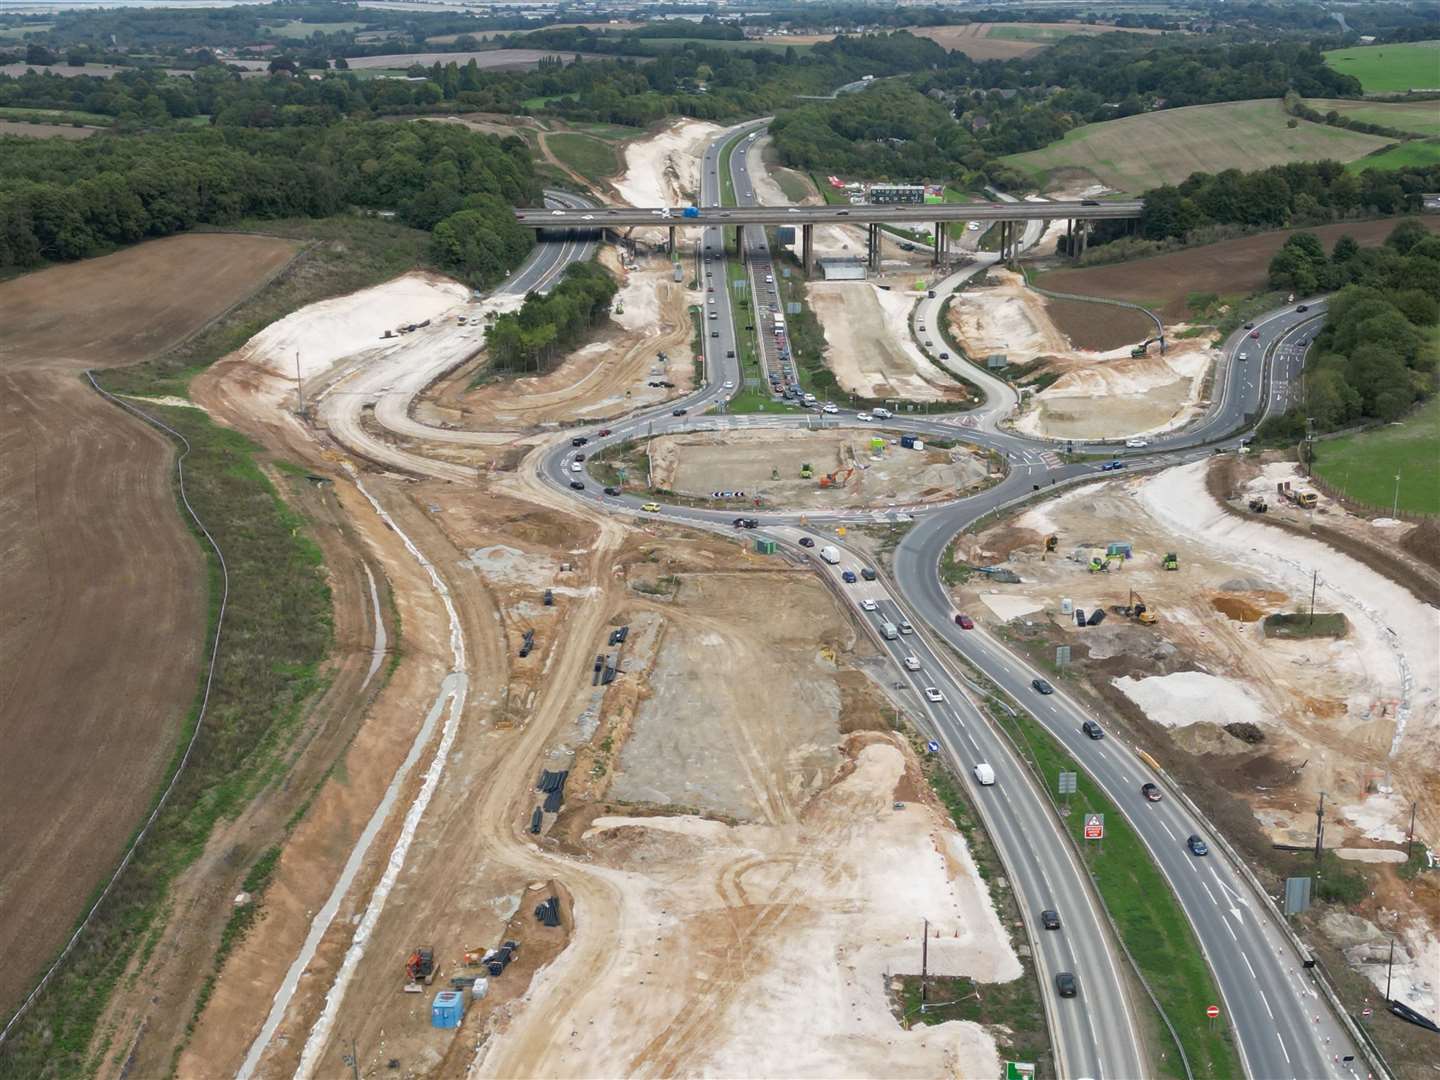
746	523
579	457
1092	729
1042	686
1303	307
964	622
1249	326
868	574
579	440
1112	466
1197	846
805	541
577	485
1066	985
612	491
849	577
679	412
1050	920
1089	202
1150	791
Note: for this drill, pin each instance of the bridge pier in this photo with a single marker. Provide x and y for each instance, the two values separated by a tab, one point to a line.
872	246
941	242
672	248
807	249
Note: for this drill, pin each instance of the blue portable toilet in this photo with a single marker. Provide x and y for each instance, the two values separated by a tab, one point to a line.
448	1009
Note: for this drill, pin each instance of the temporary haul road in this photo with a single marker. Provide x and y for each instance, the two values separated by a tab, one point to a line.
1281	1025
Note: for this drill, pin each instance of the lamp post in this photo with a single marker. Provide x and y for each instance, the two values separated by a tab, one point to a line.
1395	506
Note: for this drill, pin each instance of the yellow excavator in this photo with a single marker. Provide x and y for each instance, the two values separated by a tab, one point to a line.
1136	609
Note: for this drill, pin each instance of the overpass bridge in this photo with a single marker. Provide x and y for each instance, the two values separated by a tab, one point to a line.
871	215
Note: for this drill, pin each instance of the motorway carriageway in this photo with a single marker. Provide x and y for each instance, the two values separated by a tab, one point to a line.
1282	1027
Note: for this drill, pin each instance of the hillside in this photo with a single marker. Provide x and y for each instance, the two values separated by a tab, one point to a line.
1391	69
1139	152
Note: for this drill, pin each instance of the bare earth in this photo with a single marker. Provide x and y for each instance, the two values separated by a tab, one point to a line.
701	464
975	40
103	585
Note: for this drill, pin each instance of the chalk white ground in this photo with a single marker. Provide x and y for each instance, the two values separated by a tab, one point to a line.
664	169
1188	697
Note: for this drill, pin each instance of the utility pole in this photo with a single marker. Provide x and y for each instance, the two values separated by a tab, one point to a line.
1319	825
299	386
1314	581
354	1059
925	959
1395	507
1389	968
1410	840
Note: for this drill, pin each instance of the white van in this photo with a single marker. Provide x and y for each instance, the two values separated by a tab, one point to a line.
889	631
984	774
881	414
830	554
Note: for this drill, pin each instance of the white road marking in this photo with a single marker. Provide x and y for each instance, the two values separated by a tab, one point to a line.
1281	1040
1266	1000
1168	832
1246	958
1210	894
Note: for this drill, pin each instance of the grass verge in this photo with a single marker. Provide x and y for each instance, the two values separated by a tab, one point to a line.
1364	466
589	157
1301	625
277	631
1150	919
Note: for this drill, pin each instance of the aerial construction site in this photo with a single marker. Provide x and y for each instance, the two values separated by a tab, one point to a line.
646	722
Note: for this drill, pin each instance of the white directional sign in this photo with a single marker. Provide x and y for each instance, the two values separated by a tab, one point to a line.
933	746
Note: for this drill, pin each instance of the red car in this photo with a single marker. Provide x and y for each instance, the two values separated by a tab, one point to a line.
1255	334
964	622
602	433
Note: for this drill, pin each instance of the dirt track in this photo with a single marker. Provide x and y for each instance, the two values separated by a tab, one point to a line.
103	585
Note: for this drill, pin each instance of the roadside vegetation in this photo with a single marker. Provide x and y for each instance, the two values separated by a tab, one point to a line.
1364	467
548	326
591	158
277	631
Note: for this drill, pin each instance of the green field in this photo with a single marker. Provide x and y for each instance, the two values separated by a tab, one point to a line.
1409	155
1391	69
589	157
1046	34
54	116
1144	151
301	30
17	33
1419	117
1364	466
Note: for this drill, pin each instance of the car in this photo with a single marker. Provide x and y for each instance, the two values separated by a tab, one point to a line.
1303	341
944	356
912	663
1050	919
1197	846
1089	202
651	508
1136	444
1150	791
557	213
729	355
714	333
867	574
973	226
929	344
577	485
1042	686
679	412
864	417
830	407
589	217
1249	326
849	577
984	774
906	628
602	432
612	491
729	383
794	210
1112	466
1255	334
964	622
869	605
843	213
806	542
920	327
1303	307
1066	984
712	289
933	694
1092	729
579	440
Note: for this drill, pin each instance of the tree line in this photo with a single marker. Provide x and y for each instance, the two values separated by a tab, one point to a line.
1377	353
547	326
1299	193
64	200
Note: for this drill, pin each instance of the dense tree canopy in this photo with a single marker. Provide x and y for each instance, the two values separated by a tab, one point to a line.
67	200
547	326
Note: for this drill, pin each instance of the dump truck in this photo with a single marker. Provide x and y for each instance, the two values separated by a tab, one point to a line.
1171	561
806	472
1306	500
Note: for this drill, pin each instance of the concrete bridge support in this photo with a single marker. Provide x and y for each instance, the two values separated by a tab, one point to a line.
807	249
942	243
673	240
872	246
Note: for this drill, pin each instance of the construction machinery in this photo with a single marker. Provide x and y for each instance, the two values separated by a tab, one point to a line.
420	968
1136	609
1171	561
806	472
1305	500
1052	542
838	478
1258	505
